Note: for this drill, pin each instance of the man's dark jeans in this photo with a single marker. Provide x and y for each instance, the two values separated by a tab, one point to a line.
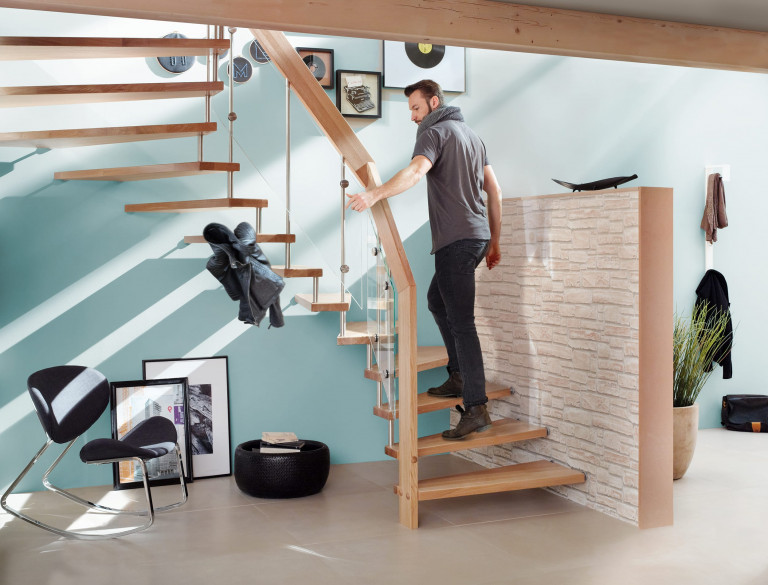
451	299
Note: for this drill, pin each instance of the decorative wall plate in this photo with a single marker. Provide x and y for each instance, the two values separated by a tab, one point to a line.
176	64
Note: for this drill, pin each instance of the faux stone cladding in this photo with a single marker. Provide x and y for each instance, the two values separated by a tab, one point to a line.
558	321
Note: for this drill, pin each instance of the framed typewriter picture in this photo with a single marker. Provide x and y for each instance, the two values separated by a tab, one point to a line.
320	63
358	93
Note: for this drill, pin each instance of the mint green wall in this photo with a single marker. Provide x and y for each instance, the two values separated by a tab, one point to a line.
87	283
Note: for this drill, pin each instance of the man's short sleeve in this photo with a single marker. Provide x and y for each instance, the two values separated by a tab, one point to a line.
428	145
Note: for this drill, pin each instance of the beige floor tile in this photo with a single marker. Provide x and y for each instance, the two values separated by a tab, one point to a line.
349	534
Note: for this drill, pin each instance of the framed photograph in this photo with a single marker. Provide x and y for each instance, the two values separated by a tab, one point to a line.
320	63
138	400
208	389
358	93
407	63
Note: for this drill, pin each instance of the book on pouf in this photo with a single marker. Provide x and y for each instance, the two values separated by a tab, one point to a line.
274	442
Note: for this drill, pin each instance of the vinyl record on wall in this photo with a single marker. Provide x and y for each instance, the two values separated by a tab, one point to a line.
425	55
407	63
316	66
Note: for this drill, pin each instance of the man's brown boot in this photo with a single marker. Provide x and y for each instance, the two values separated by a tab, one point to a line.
451	388
474	418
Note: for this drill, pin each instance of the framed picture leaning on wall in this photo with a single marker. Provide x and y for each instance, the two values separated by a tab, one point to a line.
208	388
407	63
320	63
358	93
137	400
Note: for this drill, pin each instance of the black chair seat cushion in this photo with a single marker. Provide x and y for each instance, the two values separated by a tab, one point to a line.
151	438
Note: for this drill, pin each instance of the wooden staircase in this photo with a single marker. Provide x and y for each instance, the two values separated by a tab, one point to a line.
412	359
42	48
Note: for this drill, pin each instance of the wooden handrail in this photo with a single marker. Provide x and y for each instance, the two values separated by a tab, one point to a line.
347	144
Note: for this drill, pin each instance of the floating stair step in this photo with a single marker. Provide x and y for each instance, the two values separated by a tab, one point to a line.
148	172
41	48
94	136
502	431
297	271
325	302
522	476
54	95
194	205
260	239
356	334
427	358
427	403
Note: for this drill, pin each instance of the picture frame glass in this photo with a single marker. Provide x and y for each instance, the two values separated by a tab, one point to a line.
209	425
358	93
135	401
407	63
320	63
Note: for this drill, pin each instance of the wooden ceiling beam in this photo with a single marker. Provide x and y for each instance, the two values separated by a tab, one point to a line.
471	23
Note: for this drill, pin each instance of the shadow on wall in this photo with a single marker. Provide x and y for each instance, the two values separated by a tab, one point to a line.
165	308
7	167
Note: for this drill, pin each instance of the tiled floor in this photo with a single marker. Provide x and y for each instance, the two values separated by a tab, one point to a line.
348	534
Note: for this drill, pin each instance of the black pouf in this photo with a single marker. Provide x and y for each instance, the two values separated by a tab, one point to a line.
282	475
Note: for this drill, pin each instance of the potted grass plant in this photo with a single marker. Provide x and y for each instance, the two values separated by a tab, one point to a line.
697	342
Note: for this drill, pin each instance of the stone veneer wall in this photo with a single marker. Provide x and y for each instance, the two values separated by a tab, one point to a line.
558	321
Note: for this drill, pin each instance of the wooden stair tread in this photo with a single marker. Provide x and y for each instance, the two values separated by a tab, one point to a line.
49	95
427	358
195	205
94	136
502	431
356	334
296	271
148	172
325	302
40	48
522	476
428	403
260	239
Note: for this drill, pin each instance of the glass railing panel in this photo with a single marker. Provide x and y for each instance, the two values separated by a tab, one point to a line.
381	314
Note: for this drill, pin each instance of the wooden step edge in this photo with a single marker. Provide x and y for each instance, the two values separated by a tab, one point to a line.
297	271
357	334
49	95
108	135
521	476
325	302
427	358
260	239
194	205
427	403
42	48
502	431
148	172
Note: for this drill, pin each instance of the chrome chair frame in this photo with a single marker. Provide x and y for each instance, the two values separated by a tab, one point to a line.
149	511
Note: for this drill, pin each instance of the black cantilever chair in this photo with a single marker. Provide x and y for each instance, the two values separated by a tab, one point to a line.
68	401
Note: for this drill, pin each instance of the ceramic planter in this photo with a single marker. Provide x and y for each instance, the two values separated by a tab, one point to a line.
685	425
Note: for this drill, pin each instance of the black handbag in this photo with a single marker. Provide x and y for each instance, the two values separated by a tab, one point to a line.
745	412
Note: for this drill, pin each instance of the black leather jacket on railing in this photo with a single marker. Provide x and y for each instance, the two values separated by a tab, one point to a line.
240	265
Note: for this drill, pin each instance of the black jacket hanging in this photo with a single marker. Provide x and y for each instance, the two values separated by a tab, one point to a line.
712	293
240	265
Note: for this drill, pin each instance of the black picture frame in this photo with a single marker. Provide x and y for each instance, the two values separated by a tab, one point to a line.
362	97
209	419
322	59
131	402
